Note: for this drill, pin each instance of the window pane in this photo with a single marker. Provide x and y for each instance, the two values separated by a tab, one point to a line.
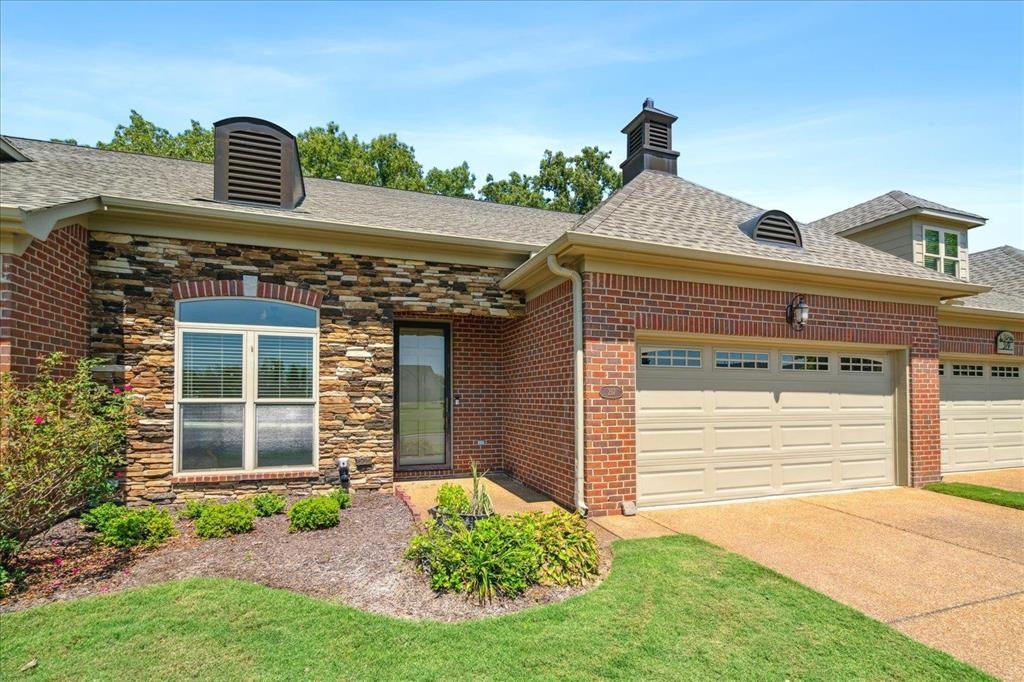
285	367
211	436
952	244
931	241
284	435
255	311
211	365
931	262
949	267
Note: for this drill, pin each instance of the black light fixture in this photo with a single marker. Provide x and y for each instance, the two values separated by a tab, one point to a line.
797	312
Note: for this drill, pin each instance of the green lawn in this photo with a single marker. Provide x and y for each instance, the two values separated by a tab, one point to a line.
672	608
981	493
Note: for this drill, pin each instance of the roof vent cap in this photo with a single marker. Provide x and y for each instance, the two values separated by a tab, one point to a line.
649	142
256	162
774	227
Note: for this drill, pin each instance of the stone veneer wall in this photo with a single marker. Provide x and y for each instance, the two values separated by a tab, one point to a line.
132	308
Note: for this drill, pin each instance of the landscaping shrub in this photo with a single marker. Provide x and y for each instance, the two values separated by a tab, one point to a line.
97	517
568	550
64	439
342	496
224	520
452	499
193	509
268	504
132	527
496	557
314	513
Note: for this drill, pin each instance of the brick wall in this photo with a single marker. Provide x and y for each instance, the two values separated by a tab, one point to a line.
617	307
43	301
132	301
538	422
973	340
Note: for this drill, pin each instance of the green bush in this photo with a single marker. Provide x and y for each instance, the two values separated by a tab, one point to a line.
64	438
193	509
568	550
496	557
268	504
342	496
452	499
10	578
314	513
224	520
132	527
98	517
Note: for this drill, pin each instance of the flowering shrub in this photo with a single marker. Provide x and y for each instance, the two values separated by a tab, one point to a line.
61	440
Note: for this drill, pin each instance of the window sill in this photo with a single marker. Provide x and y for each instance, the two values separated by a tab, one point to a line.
238	476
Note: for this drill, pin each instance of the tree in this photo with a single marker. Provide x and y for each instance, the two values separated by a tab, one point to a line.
575	184
144	137
454	182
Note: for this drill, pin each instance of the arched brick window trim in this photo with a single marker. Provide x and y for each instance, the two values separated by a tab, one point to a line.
219	288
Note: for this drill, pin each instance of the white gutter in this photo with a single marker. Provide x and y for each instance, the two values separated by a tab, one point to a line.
577	370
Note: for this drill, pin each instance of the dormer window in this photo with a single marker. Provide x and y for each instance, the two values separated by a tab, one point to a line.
942	251
774	227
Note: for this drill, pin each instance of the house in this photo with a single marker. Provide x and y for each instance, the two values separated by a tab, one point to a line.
676	345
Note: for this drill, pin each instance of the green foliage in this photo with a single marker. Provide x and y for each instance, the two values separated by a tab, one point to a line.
496	557
225	520
342	497
480	500
65	437
314	513
97	517
575	184
10	578
452	499
568	550
193	509
132	527
268	504
144	137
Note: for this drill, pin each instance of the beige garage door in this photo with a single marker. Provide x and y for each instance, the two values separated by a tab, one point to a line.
982	415
722	422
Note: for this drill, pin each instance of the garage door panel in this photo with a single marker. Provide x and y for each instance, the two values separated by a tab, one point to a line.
725	433
982	418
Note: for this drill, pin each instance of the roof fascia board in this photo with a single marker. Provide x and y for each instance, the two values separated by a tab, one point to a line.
577	243
41	222
910	212
242	220
954	315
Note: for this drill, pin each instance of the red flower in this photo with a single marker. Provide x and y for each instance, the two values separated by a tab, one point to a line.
117	390
118	474
57	561
39	419
127	387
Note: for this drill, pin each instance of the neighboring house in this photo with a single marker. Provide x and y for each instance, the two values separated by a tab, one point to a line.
267	323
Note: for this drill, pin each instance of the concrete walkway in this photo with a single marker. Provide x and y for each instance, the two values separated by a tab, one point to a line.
946	571
507	495
1007	479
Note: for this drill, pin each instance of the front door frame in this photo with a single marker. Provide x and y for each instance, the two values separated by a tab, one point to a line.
446	327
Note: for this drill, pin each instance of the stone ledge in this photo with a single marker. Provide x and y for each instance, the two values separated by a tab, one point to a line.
245	476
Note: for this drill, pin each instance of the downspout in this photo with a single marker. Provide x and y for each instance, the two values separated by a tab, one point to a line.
577	370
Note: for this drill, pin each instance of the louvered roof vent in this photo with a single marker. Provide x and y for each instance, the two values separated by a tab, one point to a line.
774	227
256	162
649	143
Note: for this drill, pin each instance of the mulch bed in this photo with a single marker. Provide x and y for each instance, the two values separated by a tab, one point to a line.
360	563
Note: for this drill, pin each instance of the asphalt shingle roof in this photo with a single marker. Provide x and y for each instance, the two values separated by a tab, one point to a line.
1003	269
60	173
665	209
889	204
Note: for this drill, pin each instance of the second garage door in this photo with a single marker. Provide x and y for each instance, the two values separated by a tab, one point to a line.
982	415
723	422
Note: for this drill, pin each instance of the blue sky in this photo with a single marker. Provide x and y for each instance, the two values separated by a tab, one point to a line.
804	107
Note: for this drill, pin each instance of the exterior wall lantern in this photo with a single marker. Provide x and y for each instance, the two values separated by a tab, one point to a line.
797	313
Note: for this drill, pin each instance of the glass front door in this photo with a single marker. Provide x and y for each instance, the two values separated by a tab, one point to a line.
422	436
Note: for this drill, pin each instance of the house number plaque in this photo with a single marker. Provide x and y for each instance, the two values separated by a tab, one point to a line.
611	392
1005	343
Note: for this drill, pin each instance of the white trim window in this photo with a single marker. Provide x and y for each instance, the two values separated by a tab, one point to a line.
246	385
942	251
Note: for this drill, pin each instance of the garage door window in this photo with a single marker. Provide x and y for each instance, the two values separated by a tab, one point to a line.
740	360
670	357
811	363
968	371
849	363
1005	372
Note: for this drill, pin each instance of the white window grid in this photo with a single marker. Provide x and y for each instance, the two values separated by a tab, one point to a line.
671	357
940	260
1005	371
796	362
854	363
728	359
968	370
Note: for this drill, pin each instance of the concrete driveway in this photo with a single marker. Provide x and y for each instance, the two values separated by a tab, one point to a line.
946	571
